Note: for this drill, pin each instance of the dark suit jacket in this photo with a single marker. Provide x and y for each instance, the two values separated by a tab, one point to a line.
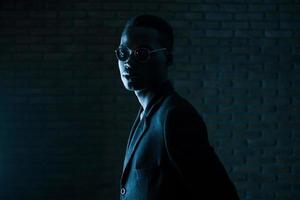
169	157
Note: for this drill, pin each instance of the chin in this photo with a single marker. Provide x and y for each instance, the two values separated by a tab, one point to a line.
132	86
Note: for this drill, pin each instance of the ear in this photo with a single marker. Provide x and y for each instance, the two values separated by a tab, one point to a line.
169	56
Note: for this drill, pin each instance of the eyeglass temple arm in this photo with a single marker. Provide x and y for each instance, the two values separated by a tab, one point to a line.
155	50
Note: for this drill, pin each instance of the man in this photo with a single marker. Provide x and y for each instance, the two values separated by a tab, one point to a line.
168	155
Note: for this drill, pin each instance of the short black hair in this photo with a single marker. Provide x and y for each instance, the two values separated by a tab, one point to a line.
166	38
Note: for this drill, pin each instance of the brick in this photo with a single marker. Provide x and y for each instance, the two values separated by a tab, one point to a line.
279	100
102	15
56	40
276	49
198	59
207	108
227	58
28	56
278	16
289	25
262	41
262	7
115	6
245	50
248	16
113	23
264	25
205	92
248	33
219	33
42	31
214	50
217	83
190	16
179	24
266	59
289	8
72	14
204	41
233	7
247	101
235	42
205	25
233	108
14	14
218	100
57	56
174	7
149	6
218	16
203	7
235	25
278	33
255	92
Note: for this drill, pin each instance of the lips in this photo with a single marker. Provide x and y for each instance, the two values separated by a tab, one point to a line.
127	75
128	72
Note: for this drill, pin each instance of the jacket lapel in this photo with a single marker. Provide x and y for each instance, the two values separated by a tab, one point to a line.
144	123
132	131
134	126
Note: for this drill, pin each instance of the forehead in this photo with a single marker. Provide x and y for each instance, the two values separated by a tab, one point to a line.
136	36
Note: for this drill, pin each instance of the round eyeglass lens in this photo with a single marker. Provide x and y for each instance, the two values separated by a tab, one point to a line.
141	54
122	53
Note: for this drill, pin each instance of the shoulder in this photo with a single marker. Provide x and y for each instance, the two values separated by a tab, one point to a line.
179	107
178	113
183	124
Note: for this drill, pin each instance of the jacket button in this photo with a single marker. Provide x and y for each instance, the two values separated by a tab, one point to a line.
123	191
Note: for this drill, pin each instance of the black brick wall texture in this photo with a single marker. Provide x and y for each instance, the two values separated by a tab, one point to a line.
65	116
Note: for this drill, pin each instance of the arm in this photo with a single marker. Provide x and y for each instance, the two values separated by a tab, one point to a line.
192	156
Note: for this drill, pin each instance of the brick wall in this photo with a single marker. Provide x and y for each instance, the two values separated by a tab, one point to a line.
65	116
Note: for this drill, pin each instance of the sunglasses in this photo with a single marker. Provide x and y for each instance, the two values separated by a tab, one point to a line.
141	54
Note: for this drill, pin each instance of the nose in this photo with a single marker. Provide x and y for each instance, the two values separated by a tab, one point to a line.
130	62
127	66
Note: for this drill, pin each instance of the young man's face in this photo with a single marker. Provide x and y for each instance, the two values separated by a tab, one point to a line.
137	75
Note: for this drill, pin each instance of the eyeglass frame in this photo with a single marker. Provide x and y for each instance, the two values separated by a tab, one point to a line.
148	50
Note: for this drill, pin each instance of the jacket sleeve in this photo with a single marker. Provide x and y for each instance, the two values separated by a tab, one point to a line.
190	153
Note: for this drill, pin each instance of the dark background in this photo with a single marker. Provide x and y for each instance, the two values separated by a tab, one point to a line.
65	116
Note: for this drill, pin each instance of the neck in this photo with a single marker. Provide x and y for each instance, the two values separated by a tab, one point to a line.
145	95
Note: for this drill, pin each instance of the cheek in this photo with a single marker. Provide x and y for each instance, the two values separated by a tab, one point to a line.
158	62
121	66
161	58
151	71
158	59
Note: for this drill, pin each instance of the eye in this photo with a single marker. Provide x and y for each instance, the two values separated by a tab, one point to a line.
142	53
123	53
